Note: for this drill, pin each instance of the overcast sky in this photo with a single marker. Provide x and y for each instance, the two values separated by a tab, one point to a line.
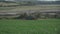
9	0
49	0
38	0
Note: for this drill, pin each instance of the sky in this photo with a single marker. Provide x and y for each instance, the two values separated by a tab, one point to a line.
48	0
8	0
39	0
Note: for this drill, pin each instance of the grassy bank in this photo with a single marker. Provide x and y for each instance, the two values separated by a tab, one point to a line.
50	26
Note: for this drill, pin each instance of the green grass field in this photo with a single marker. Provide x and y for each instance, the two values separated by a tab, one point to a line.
48	26
6	8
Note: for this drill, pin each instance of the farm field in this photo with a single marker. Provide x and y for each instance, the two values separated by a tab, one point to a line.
42	26
6	8
38	7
